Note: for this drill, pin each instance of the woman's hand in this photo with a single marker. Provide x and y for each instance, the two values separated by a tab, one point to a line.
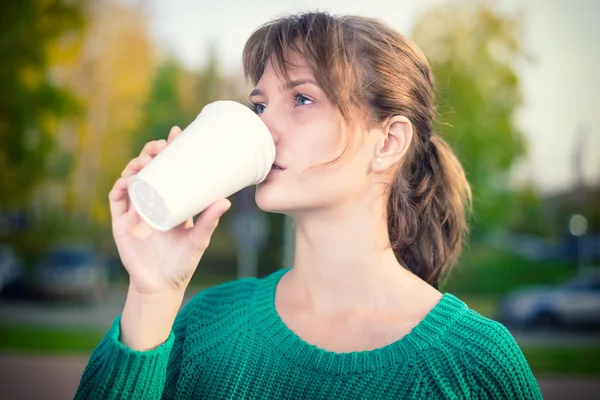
158	262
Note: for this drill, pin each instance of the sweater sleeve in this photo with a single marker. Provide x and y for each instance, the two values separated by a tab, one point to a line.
501	371
115	371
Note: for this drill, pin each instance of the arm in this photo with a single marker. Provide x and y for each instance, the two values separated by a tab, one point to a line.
141	353
138	370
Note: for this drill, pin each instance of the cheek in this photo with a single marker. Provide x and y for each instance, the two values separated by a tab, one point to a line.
324	144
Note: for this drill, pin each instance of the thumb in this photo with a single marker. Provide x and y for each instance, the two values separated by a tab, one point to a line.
199	234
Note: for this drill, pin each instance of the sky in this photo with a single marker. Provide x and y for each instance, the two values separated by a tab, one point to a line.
560	85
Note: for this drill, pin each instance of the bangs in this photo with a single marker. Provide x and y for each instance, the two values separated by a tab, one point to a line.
316	37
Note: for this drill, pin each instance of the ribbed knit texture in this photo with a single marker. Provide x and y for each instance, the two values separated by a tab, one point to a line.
229	343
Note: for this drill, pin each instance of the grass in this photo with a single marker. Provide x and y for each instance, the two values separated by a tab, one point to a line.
578	361
43	340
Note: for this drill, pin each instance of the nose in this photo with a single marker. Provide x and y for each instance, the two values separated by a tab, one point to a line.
273	123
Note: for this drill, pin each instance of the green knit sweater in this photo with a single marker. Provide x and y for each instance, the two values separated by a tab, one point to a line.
228	342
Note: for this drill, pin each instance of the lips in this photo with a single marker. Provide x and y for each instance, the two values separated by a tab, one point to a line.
277	167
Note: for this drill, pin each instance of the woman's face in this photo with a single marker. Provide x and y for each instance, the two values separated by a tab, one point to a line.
308	130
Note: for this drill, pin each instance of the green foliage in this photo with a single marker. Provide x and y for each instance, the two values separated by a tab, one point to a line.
527	216
163	109
483	270
31	101
473	51
177	96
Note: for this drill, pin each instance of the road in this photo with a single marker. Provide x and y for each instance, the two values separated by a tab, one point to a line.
67	314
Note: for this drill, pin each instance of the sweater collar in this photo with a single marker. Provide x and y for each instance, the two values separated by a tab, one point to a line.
271	328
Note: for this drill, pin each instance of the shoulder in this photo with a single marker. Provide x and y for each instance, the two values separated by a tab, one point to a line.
479	331
227	297
483	337
492	357
223	297
217	313
467	332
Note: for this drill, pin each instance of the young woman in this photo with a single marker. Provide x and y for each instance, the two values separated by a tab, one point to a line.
379	203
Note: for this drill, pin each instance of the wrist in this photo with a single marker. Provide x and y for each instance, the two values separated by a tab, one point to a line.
147	319
155	296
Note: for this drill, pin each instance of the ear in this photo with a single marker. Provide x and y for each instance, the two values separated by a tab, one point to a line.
398	132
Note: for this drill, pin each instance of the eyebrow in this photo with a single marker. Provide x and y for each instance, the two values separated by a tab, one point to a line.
288	85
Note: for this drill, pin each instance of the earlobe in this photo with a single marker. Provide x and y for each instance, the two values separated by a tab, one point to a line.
377	163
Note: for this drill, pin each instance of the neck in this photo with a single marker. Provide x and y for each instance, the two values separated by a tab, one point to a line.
344	259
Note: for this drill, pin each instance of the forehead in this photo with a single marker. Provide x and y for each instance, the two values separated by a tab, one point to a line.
296	67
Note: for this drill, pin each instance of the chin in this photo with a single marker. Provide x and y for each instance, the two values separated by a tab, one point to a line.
273	200
285	199
291	201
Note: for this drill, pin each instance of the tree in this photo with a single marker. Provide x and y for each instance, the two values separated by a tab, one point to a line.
473	50
166	106
32	101
111	76
178	95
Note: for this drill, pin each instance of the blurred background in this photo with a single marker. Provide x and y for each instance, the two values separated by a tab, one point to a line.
84	84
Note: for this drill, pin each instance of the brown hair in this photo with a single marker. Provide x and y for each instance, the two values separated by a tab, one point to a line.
365	66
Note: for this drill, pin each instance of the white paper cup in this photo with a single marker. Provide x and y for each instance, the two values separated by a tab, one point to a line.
225	149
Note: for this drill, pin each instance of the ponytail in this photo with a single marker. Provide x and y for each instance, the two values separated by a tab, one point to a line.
427	210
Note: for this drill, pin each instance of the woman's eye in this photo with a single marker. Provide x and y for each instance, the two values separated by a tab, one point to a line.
259	108
302	100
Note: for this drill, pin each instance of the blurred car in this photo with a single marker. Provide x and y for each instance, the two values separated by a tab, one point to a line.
575	302
11	272
72	272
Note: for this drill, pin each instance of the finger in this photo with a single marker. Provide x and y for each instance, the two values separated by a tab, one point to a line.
134	166
175	131
118	198
129	223
185	226
147	147
153	147
199	235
